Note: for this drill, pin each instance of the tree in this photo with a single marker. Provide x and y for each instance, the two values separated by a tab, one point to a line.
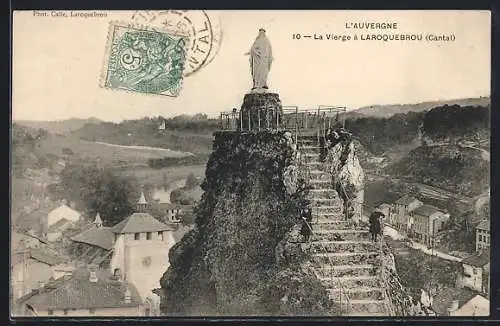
98	190
42	133
179	196
191	181
67	151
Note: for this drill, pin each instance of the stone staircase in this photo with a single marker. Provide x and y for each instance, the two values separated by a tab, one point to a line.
344	257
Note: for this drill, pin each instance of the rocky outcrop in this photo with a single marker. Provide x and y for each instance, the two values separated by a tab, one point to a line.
242	258
347	174
400	301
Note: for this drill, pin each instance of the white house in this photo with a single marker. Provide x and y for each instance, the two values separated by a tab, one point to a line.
61	212
98	294
137	248
477	306
483	235
55	231
475	273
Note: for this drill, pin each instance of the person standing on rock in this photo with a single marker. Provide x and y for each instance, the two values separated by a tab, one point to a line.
261	57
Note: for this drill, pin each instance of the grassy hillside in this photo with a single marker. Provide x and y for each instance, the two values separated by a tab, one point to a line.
379	135
461	170
189	138
59	126
385	111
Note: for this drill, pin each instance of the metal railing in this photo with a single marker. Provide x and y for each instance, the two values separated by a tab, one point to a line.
290	118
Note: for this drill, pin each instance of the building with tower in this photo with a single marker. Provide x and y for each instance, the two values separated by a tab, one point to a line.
136	249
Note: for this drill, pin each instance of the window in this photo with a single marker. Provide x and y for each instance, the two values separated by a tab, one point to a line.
148	235
65	312
137	236
50	312
92	310
148	312
160	235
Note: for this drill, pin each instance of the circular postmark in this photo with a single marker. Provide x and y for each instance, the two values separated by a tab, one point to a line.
202	31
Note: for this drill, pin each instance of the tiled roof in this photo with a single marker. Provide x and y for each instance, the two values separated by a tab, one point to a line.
77	291
38	254
141	222
426	210
102	237
478	260
35	220
443	300
405	200
484	225
65	211
58	225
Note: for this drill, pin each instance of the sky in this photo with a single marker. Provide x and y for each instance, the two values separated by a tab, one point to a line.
58	61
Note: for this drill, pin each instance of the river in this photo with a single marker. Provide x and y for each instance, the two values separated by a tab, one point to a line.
165	151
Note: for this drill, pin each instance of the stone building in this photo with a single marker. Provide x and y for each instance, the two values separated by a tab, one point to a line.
483	235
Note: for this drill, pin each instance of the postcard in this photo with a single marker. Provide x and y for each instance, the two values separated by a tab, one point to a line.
250	163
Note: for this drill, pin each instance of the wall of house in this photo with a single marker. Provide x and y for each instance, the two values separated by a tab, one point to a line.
414	205
438	221
146	277
421	228
472	277
482	239
400	219
35	273
98	312
477	306
118	259
54	217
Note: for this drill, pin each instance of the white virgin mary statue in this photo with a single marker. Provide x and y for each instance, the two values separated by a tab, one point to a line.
261	56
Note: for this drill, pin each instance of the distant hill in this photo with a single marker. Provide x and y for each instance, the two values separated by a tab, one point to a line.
385	111
59	126
454	168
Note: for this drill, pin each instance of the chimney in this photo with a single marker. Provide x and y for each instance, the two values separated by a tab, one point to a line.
453	306
118	274
93	274
128	296
98	220
93	277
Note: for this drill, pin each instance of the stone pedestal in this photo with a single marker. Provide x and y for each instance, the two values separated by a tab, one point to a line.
261	111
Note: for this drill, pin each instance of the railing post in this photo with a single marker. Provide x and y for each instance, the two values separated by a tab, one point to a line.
343	118
267	117
277	119
249	118
330	119
296	126
258	119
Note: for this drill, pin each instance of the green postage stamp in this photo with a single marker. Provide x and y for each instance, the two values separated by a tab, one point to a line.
143	60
